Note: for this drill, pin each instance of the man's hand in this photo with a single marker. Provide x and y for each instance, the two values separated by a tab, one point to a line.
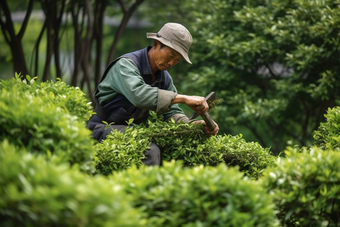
206	129
197	103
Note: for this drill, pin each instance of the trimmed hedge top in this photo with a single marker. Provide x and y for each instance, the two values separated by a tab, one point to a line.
70	99
33	117
199	196
180	141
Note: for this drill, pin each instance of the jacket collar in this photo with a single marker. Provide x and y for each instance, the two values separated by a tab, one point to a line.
145	61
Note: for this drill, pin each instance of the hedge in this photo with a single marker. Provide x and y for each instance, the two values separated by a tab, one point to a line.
328	134
180	141
198	196
42	125
37	192
306	187
68	98
120	151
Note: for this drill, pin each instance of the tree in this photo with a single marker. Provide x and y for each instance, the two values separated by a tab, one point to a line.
54	12
13	38
274	63
87	18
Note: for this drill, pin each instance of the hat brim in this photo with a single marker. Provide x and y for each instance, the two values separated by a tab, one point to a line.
169	44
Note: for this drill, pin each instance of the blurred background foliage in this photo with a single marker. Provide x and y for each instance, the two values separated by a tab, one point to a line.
274	63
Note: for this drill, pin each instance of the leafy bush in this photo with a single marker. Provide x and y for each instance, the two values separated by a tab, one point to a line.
70	99
328	134
36	192
36	123
305	187
200	196
120	151
180	141
251	157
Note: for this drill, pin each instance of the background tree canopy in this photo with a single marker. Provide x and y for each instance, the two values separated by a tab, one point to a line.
274	63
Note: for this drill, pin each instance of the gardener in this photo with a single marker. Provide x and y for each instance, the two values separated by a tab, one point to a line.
138	82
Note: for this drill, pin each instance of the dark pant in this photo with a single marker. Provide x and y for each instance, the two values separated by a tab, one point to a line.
152	156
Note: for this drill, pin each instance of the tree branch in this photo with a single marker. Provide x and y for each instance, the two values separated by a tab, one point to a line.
127	15
25	22
98	37
7	25
36	50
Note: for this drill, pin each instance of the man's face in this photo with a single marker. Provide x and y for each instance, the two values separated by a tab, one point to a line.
166	57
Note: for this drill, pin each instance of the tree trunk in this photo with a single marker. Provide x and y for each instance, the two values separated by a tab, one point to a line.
50	15
77	44
127	14
36	50
56	42
53	23
15	40
87	44
98	37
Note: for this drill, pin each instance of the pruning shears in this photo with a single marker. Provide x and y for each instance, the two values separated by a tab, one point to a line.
206	117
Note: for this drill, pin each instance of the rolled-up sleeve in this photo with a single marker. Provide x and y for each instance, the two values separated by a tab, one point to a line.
174	112
164	100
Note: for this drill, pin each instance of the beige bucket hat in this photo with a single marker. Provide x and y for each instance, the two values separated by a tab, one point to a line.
175	36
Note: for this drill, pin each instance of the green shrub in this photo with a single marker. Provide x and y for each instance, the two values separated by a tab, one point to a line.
251	157
36	192
41	126
306	188
199	196
180	141
70	99
120	151
328	134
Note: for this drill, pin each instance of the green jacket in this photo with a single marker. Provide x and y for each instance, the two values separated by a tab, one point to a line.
125	79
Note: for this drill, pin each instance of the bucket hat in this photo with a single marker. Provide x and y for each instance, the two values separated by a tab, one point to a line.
175	36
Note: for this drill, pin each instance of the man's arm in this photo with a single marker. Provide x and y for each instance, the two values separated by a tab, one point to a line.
197	103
